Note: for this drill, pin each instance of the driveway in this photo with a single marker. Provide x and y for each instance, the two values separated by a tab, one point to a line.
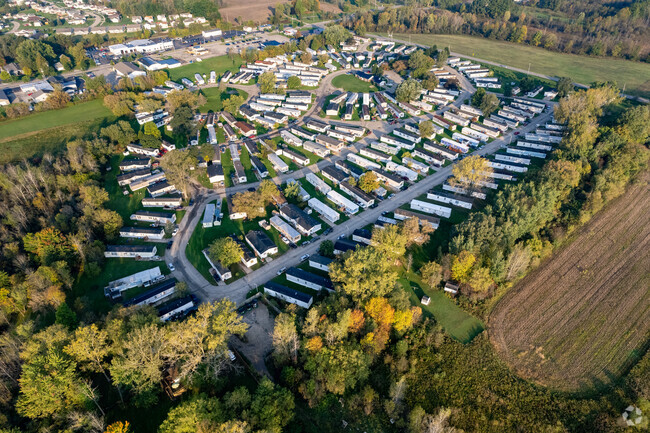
258	338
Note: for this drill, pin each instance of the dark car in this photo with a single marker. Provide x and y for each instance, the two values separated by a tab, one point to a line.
169	244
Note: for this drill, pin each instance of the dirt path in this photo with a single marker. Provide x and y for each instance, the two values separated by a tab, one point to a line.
581	319
258	338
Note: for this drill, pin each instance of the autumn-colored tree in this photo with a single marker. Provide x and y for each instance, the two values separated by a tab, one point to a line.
461	266
314	344
472	172
368	182
431	274
49	245
119	427
357	320
389	241
381	312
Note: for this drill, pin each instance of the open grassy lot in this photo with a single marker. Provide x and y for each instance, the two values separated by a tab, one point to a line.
350	83
582	69
216	96
461	325
219	65
49	131
582	319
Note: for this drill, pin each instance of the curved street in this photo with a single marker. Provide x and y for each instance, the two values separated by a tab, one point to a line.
237	290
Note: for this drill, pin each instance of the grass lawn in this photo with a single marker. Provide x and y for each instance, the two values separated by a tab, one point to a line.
50	131
215	98
350	83
582	69
461	325
202	237
219	65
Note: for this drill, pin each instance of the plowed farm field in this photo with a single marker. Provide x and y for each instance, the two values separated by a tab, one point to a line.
582	318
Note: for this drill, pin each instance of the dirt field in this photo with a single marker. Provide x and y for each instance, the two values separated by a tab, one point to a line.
255	10
258	338
580	320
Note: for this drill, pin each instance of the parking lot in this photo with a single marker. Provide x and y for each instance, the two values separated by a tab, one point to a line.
258	338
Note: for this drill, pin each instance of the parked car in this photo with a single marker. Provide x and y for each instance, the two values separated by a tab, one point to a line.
281	271
171	267
305	257
175	232
232	356
169	244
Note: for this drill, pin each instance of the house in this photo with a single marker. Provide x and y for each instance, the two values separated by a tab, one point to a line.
309	280
343	245
240	172
431	208
222	272
403	214
171	201
319	262
136	148
347	205
284	228
296	157
115	288
300	220
318	183
4	100
233	213
429	157
248	259
128	69
259	167
316	149
364	199
130	251
451	288
325	211
142	232
334	174
288	295
160	218
215	173
154	295
362	236
261	244
208	215
131	176
160	188
392	181
330	142
332	110
278	164
178	308
144	182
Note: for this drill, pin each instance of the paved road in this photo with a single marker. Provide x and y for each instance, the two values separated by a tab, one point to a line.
237	290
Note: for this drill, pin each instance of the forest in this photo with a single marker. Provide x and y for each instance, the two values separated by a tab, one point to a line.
590	28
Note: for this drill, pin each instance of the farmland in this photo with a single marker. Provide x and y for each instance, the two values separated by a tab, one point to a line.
582	69
582	319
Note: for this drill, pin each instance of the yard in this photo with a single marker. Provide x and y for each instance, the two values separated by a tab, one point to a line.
202	237
216	96
582	69
350	83
582	319
218	64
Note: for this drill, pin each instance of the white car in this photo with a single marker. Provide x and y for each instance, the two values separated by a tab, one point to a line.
175	232
231	356
171	267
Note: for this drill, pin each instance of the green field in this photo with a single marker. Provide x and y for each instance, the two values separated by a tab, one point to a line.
581	69
216	96
350	83
456	322
51	119
219	64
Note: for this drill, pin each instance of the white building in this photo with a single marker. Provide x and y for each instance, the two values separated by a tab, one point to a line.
325	211
430	208
349	206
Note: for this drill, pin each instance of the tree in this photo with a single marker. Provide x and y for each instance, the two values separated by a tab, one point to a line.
35	55
286	341
326	249
177	165
180	98
363	273
272	407
489	104
335	34
183	122
368	182
120	133
49	383
267	82
232	104
480	280
431	273
151	129
193	415
226	251
390	242
294	82
292	191
426	129
472	172
461	266
564	86
49	245
408	90
430	82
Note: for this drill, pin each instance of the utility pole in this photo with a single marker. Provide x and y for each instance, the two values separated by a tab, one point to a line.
528	73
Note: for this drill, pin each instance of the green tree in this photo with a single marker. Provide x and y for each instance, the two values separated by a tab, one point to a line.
363	273
294	82
408	90
35	55
267	82
335	34
177	166
49	245
232	104
368	182
564	86
151	129
183	122
197	414
226	251
292	191
272	407
489	104
326	249
426	129
431	273
390	242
